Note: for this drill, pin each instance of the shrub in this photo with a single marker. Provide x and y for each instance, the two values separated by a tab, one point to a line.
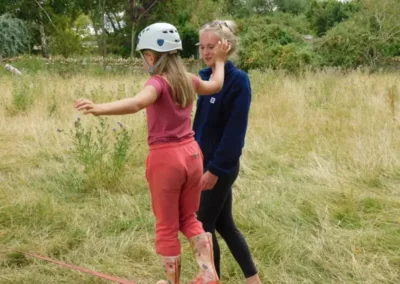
101	154
66	43
275	46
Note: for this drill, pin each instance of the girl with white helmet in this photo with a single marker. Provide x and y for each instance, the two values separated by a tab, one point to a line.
174	165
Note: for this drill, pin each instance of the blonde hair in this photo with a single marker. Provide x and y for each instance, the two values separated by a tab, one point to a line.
178	78
224	29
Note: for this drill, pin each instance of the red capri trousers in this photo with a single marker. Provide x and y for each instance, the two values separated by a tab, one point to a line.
174	171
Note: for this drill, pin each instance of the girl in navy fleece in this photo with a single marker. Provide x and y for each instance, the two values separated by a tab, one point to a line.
220	127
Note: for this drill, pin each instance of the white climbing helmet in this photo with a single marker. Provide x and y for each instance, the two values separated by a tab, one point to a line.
161	37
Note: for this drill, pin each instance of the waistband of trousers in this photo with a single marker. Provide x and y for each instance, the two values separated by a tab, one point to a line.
166	145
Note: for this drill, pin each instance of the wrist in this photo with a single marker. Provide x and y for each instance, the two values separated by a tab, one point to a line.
102	109
219	61
213	171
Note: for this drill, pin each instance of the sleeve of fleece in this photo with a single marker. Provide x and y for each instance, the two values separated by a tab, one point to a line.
230	148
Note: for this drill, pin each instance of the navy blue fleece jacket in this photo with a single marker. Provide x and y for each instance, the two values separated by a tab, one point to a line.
220	122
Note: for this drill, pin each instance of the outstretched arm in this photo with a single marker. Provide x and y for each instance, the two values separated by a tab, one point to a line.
146	97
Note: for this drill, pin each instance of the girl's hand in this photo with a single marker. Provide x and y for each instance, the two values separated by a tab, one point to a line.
88	107
222	50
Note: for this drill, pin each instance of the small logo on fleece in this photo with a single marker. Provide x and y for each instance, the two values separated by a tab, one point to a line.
212	100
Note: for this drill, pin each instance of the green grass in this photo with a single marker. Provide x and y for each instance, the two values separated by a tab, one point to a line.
318	196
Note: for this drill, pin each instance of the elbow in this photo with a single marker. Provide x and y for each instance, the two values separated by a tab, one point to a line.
136	107
218	87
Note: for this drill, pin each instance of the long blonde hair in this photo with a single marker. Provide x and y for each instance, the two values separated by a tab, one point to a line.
178	78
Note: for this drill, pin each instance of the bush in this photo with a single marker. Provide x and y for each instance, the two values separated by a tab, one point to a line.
298	23
102	155
292	57
275	46
22	96
30	64
66	43
344	46
350	44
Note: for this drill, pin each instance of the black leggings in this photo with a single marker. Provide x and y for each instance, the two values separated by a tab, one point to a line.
215	213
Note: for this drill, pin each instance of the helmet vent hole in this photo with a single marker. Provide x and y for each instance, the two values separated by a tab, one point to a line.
171	31
165	32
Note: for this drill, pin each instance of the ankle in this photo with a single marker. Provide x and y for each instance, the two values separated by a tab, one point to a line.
255	279
172	267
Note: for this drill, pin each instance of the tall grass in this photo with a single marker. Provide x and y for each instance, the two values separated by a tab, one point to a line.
318	195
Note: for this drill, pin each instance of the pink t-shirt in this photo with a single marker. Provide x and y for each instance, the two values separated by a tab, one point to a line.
167	121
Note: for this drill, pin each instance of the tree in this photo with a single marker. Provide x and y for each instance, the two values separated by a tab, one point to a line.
188	17
292	6
82	26
261	6
38	14
64	40
238	9
137	10
14	38
246	8
325	15
383	19
366	39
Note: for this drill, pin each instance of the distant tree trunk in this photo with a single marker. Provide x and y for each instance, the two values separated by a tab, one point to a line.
133	40
112	22
45	50
118	23
103	29
137	9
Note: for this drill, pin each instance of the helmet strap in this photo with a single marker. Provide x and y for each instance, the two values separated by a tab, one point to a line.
152	69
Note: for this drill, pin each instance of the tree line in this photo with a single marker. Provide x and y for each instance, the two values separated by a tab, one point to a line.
278	34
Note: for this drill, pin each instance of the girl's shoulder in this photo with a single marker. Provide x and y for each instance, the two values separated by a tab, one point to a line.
158	82
158	77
